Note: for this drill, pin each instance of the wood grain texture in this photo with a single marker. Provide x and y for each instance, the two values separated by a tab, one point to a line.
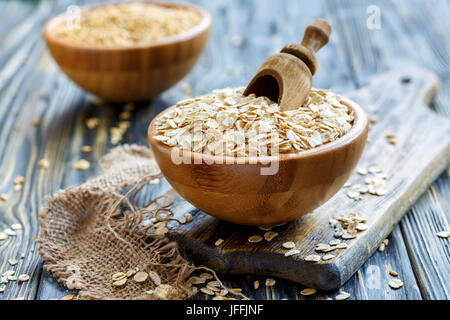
32	87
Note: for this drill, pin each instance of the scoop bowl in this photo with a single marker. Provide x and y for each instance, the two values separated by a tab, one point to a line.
234	190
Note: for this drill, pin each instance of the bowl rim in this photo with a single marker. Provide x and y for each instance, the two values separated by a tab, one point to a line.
204	24
359	127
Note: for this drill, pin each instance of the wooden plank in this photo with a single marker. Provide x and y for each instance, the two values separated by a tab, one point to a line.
19	152
429	253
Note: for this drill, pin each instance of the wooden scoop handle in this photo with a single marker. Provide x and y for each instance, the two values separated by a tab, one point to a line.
316	35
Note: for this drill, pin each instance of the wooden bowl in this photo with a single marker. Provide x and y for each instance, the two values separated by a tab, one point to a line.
131	73
238	193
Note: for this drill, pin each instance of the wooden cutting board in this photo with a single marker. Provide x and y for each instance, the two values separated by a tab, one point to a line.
400	101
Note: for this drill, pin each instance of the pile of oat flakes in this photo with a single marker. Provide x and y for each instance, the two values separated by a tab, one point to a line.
228	123
127	24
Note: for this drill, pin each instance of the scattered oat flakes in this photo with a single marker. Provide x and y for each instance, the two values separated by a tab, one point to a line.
44	163
362	171
342	296
265	228
16	226
218	242
13	262
374	169
255	239
68	297
116	133
312	258
292	252
3	236
10	232
341	246
347	236
155	278
335	242
118	276
393	273
86	149
188	216
289	245
362	227
308	292
35	122
207	291
214	283
256	284
381	247
23	277
270	235
206	276
212	288
328	257
237	41
182	219
270	282
196	280
443	234
19	180
4	197
161	231
353	194
140	276
125	115
395	283
92	123
119	283
131	272
81	165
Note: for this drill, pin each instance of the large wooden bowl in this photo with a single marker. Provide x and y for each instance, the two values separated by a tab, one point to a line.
238	193
130	73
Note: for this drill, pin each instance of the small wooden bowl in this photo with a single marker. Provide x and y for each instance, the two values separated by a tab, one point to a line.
238	193
131	73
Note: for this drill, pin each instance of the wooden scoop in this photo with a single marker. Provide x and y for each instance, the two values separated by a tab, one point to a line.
286	77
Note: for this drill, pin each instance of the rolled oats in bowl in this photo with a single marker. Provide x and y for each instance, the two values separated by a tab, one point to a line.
125	24
227	123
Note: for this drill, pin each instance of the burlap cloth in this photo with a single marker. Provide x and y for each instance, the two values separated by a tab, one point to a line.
91	232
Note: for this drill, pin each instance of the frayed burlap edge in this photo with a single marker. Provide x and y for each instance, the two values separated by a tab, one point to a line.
87	236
